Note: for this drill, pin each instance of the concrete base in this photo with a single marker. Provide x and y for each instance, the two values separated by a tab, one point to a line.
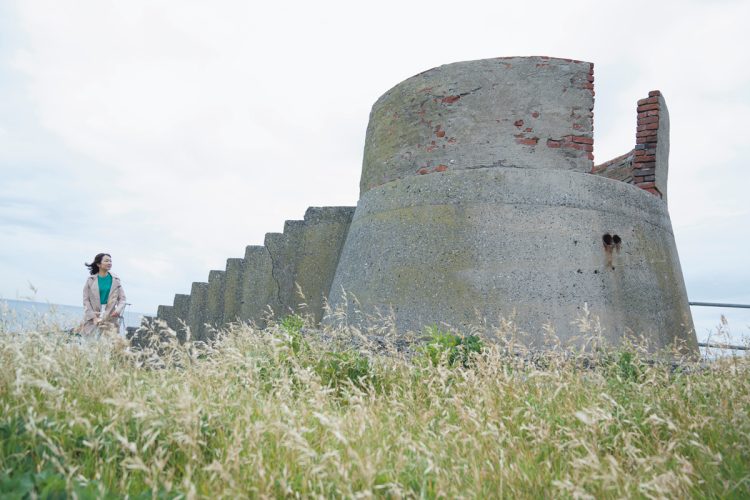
453	247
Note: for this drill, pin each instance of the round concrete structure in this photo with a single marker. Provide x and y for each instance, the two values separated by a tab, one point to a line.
456	247
521	112
478	202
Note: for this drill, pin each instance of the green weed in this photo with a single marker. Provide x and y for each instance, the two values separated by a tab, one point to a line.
447	347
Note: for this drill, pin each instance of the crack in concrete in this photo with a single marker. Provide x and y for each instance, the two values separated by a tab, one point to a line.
498	163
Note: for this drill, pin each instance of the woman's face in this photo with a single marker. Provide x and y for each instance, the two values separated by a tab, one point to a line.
106	263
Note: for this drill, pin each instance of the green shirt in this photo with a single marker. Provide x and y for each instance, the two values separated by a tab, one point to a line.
105	285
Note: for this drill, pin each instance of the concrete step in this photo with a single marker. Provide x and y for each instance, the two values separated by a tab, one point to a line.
215	299
181	310
258	287
285	250
197	312
233	289
290	273
324	235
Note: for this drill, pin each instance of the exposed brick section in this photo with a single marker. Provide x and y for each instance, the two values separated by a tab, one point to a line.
638	166
439	168
589	84
579	142
644	162
528	141
591	111
648	107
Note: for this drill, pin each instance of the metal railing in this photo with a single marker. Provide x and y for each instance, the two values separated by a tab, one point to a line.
719	304
724	346
713	344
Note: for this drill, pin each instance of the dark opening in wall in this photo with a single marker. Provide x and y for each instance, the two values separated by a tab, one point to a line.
610	240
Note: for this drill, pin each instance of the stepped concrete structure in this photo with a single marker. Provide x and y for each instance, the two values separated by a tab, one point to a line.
479	198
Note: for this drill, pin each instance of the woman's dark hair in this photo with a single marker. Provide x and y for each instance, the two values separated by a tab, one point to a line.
94	266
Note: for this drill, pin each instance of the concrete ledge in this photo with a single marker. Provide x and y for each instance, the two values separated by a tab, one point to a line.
329	215
510	186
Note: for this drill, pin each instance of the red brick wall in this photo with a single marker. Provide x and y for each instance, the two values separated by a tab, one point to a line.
638	166
644	163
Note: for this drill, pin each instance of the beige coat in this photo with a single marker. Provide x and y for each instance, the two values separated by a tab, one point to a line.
92	306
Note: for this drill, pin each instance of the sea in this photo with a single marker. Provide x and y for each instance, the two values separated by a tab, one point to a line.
20	315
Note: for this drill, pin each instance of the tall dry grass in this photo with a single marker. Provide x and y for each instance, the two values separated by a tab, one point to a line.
278	413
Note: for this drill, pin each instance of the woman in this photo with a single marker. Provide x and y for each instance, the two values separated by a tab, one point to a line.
103	297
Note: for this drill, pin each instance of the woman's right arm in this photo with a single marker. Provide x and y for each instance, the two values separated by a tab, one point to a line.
88	309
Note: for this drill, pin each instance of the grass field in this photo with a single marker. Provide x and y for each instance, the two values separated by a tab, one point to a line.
277	413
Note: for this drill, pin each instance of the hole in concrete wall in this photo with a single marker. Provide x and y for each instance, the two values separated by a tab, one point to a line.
607	239
616	239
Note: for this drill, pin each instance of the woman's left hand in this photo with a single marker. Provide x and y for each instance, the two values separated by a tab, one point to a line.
115	314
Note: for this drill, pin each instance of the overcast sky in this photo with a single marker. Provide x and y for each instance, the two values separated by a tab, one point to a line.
173	133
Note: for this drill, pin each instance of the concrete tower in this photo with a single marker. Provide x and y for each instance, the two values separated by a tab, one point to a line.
479	198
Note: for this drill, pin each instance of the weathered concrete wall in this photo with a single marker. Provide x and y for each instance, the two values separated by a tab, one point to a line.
525	112
259	289
268	279
458	246
662	149
304	257
324	234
